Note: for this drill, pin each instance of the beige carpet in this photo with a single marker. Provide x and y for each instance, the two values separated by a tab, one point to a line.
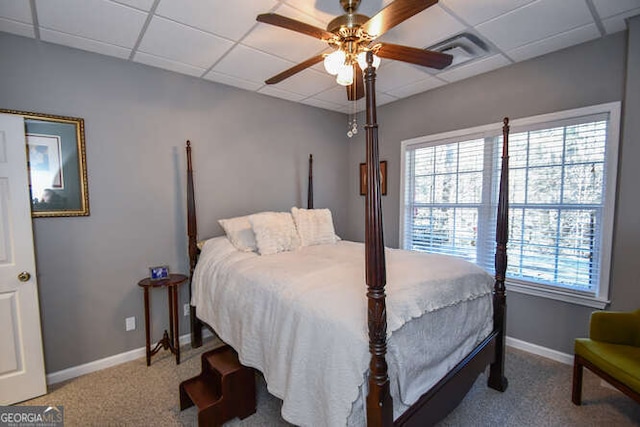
539	394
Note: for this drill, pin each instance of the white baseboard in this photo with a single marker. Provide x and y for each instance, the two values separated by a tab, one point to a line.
107	362
558	356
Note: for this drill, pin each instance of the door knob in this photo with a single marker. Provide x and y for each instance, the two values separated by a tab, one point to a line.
24	276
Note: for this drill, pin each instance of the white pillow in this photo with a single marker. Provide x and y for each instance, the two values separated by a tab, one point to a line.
315	226
239	233
275	232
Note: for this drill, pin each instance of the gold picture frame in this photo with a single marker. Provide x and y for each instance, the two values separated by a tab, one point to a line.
57	164
383	178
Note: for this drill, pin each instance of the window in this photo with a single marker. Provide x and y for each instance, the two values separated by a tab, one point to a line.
562	170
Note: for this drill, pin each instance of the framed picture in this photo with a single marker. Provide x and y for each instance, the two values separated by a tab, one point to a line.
159	272
57	164
383	178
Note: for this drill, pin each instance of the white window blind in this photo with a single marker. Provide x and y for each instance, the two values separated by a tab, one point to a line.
559	209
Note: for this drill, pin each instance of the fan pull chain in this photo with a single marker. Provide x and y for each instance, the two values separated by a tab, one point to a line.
352	124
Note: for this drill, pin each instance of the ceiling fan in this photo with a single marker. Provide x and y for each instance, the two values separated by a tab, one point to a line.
353	34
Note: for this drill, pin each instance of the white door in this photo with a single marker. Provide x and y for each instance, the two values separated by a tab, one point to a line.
21	361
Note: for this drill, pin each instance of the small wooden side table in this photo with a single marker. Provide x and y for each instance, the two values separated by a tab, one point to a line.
170	340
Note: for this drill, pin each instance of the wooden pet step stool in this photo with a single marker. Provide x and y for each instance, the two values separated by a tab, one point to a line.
224	389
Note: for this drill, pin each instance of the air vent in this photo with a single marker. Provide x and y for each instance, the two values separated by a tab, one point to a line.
464	47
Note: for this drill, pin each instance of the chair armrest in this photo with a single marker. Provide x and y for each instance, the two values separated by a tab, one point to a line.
615	327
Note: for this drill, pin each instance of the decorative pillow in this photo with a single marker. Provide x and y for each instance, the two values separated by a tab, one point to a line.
275	232
315	226
239	233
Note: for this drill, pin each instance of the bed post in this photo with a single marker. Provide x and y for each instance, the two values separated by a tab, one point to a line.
192	232
310	187
379	403
497	380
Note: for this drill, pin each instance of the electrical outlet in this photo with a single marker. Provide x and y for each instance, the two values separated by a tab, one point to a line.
185	310
130	323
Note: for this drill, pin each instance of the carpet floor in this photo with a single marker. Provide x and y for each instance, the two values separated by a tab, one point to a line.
539	394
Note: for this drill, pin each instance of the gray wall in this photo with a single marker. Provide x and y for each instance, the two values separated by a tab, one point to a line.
626	249
250	154
587	74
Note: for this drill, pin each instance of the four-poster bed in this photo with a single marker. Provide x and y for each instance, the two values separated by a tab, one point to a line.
447	392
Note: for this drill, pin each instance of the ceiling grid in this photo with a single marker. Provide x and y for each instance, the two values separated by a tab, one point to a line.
222	41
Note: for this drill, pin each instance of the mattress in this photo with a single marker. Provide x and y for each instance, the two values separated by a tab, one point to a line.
300	317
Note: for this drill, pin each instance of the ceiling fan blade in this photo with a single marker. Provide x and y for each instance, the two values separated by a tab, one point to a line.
426	58
394	14
355	90
294	70
292	24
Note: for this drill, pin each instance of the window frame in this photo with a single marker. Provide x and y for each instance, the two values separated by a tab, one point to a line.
601	298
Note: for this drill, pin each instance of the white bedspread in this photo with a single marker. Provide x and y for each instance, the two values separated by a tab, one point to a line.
300	317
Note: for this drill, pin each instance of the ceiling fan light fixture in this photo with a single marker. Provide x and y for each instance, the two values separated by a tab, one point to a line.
334	62
362	60
345	75
350	34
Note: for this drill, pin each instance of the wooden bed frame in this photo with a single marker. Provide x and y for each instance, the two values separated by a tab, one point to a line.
442	398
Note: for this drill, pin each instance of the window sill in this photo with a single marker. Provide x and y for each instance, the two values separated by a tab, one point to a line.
559	295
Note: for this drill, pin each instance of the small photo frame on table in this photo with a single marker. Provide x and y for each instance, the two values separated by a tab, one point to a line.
159	272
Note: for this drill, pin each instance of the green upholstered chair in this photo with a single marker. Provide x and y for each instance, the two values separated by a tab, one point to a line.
612	351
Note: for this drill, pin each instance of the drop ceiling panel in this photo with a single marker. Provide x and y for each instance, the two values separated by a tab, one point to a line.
535	21
609	8
618	22
279	93
474	68
98	20
251	64
227	19
180	43
320	65
15	27
397	74
615	24
167	64
425	29
285	43
302	15
560	41
232	81
296	48
16	11
315	102
336	95
308	82
326	10
317	12
477	12
416	87
383	98
84	44
138	4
